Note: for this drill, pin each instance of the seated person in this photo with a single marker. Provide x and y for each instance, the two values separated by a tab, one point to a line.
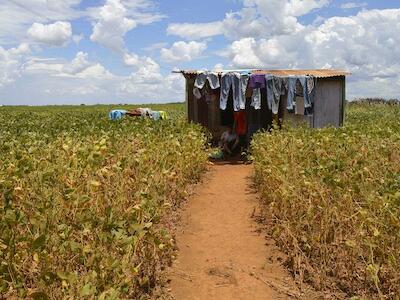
229	142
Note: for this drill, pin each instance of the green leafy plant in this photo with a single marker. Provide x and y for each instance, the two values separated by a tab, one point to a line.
83	200
333	199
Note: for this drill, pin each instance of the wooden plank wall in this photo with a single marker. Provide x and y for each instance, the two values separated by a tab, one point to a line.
214	114
190	100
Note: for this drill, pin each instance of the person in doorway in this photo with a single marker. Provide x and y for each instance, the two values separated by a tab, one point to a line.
229	142
241	128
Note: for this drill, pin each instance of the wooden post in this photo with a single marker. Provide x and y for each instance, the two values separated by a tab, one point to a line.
187	98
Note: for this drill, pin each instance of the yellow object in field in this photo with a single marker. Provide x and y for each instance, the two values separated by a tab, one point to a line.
164	115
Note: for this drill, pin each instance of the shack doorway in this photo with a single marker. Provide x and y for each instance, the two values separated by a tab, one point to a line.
255	120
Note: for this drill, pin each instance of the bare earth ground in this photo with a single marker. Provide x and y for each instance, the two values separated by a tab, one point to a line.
222	253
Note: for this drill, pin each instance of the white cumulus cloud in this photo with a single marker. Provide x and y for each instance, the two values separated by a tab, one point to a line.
56	34
195	30
257	18
79	68
17	16
183	51
112	24
78	64
364	44
117	17
11	63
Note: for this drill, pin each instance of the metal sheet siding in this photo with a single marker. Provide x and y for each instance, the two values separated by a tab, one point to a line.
328	103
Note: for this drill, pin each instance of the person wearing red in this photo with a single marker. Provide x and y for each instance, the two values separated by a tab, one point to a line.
241	126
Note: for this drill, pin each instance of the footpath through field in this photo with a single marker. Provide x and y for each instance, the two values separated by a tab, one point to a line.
222	253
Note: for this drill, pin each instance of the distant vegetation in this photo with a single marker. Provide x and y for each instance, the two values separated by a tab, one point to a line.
333	199
83	200
377	101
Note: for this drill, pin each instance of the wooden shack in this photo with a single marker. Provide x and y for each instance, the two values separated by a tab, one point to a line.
328	109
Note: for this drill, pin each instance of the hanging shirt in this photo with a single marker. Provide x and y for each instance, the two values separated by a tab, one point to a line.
257	81
240	122
201	80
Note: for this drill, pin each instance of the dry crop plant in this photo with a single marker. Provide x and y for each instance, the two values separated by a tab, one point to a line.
333	197
81	199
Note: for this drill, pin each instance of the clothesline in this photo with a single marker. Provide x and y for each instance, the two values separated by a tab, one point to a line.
238	83
317	73
217	71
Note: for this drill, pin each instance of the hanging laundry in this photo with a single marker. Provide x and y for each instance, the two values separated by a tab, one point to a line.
201	80
274	91
301	86
256	99
285	84
244	81
240	122
311	92
238	83
291	93
310	85
305	82
256	82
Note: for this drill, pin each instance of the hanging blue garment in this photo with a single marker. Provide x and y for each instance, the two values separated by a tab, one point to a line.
291	93
238	84
306	83
275	85
116	114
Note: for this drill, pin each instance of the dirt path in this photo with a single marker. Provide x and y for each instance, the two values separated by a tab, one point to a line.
221	254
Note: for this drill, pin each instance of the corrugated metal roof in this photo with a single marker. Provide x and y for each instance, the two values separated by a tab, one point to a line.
322	73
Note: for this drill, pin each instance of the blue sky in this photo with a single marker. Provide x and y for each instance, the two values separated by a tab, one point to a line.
123	51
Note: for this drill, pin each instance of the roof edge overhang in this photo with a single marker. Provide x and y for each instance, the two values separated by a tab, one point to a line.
318	73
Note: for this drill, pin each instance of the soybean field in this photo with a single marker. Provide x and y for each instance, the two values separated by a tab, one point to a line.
332	199
88	207
83	200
